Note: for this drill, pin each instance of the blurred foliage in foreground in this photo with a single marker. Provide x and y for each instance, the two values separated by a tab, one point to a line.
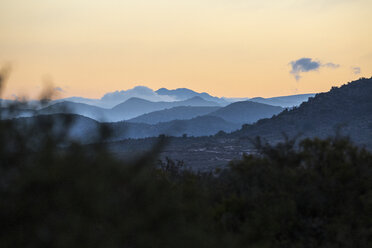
51	195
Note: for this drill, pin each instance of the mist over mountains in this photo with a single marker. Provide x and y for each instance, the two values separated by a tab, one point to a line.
193	117
112	99
184	93
129	109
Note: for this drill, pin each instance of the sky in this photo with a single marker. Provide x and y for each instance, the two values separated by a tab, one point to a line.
232	48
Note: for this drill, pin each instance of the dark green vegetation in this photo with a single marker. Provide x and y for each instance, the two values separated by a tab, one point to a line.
347	109
55	193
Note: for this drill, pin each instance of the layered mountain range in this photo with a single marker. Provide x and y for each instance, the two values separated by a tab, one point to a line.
133	103
347	109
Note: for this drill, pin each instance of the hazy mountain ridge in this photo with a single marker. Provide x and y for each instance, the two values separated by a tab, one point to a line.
135	106
238	112
283	101
175	113
129	109
143	111
246	112
111	99
114	98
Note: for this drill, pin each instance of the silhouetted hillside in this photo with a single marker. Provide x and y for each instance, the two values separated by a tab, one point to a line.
83	109
246	112
348	107
176	113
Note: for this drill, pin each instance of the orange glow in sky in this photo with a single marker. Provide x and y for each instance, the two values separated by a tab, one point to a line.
232	48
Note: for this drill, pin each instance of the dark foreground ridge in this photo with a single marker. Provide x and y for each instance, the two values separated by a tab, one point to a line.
346	109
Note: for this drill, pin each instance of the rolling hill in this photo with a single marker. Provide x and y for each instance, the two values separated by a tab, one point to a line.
135	106
129	109
284	101
246	112
176	113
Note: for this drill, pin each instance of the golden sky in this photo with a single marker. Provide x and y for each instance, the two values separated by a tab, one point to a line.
234	48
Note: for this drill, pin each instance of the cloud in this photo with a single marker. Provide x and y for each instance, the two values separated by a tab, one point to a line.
331	65
356	70
308	64
303	65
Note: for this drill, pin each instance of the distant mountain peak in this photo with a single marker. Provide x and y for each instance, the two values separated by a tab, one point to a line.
184	90
184	94
143	92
